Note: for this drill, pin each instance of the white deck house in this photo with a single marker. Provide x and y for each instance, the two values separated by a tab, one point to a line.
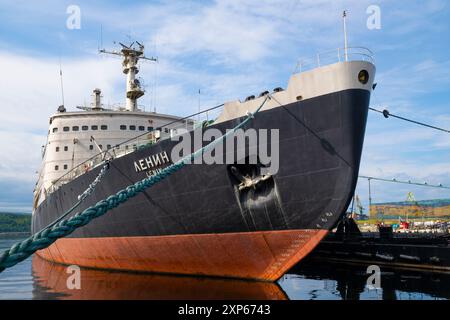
78	141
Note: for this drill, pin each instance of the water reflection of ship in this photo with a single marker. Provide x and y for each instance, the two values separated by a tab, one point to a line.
49	282
350	281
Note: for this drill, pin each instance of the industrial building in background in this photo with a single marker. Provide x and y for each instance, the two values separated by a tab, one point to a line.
411	209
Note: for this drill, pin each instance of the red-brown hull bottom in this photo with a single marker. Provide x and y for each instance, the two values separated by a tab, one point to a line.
262	255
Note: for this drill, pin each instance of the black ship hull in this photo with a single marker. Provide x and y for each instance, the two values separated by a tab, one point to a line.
197	221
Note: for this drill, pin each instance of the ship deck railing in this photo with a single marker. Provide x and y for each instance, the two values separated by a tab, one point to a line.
334	56
139	142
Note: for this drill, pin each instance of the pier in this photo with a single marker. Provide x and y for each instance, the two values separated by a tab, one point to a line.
426	251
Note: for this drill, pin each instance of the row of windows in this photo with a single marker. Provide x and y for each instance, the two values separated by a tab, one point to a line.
66	148
133	128
91	147
105	127
83	128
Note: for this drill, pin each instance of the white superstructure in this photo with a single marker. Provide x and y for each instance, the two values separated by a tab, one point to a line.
78	141
355	71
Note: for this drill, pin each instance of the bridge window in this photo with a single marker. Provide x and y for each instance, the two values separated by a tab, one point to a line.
94	127
57	149
104	127
84	128
166	130
123	127
55	130
66	148
66	129
108	146
65	167
91	147
141	128
149	128
75	128
132	127
56	168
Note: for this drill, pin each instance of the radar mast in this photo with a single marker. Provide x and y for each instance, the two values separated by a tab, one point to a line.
131	55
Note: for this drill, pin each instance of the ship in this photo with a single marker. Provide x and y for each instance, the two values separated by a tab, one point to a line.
233	220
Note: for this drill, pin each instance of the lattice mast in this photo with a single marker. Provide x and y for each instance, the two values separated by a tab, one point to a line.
413	205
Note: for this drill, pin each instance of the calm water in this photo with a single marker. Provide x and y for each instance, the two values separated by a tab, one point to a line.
38	279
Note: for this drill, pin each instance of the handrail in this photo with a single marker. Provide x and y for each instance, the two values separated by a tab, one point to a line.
342	54
99	157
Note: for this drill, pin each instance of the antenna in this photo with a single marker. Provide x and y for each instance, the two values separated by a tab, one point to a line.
101	37
124	46
344	18
199	105
61	79
155	82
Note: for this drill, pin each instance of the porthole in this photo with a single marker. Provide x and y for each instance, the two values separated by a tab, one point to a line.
132	127
75	128
85	128
123	127
66	129
363	76
94	127
104	127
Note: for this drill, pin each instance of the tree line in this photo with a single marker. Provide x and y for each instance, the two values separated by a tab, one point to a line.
12	222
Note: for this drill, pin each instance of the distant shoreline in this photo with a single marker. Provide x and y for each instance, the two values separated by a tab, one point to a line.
9	235
13	225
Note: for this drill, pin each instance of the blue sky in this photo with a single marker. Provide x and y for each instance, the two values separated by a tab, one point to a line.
228	49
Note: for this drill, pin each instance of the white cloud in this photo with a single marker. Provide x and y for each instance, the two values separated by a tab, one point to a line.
29	96
32	91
